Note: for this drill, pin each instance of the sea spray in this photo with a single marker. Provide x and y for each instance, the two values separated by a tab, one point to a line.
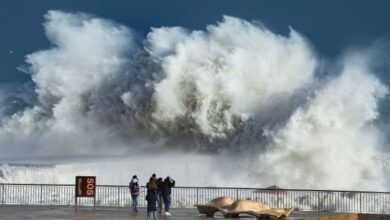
250	98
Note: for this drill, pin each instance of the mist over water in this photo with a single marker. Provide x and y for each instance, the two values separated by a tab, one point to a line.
242	105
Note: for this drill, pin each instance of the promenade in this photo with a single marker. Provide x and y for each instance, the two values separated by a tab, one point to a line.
20	212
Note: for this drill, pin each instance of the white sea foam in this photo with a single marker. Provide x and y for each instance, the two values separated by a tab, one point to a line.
237	91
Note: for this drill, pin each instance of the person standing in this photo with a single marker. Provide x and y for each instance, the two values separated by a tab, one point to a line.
159	193
134	190
151	199
166	193
152	184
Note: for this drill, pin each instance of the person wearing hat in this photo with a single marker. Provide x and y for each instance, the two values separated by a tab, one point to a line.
166	193
134	190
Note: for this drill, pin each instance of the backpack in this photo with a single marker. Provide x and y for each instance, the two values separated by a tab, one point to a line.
134	188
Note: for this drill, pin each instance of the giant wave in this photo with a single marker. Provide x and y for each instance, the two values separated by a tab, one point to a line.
251	99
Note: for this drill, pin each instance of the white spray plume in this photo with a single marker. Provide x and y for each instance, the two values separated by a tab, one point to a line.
232	72
332	138
235	87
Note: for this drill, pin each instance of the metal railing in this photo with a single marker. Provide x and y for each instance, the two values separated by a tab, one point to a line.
188	197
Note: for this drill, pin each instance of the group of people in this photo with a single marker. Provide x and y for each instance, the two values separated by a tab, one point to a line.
158	192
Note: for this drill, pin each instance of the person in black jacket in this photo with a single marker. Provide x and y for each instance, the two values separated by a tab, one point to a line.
166	193
159	193
151	198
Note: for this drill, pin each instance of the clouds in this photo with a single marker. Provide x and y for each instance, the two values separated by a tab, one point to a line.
233	87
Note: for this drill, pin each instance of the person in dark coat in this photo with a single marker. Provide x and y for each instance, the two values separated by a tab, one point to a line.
166	193
159	194
151	199
152	184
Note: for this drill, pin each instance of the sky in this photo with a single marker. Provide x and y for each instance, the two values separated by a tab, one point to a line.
330	26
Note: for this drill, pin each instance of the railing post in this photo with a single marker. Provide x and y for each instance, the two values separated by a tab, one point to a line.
118	195
197	195
318	201
2	194
236	194
40	200
360	202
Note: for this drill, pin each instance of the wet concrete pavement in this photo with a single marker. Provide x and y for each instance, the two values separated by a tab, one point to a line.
9	212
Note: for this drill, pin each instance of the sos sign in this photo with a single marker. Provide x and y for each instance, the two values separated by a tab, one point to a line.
85	186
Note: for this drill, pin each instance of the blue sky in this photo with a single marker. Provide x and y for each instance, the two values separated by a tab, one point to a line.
331	26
